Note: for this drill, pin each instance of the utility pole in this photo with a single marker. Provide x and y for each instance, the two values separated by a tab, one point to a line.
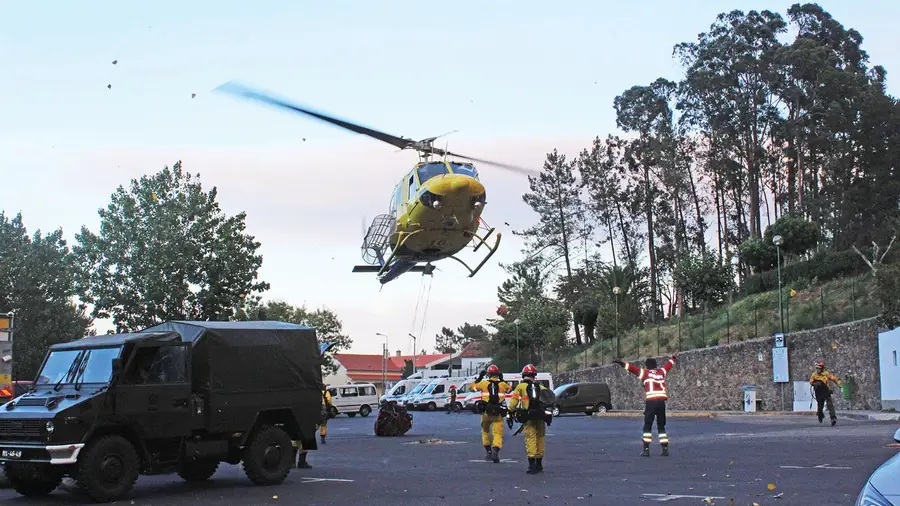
414	352
383	363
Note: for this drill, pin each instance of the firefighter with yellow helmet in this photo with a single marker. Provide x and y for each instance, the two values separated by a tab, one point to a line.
529	408
819	381
493	393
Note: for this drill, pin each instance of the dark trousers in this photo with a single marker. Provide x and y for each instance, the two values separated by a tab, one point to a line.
825	400
655	409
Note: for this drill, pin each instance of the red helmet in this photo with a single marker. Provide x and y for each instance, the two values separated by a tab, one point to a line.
529	370
493	369
820	364
452	387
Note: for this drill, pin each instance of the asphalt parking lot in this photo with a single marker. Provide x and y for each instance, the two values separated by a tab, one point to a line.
589	461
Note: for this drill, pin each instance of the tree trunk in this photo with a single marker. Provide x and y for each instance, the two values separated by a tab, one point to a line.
565	246
651	245
625	240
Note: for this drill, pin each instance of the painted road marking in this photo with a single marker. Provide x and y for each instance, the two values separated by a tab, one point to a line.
316	480
672	497
821	466
502	461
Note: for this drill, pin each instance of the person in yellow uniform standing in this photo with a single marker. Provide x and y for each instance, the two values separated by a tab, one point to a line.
493	393
326	408
819	381
527	399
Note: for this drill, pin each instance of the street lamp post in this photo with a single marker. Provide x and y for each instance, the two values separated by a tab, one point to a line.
617	291
778	241
414	352
383	363
518	361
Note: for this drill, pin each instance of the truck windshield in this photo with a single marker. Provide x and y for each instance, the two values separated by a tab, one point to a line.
419	388
430	388
63	366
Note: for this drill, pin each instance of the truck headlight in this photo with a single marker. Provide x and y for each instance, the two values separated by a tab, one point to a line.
49	427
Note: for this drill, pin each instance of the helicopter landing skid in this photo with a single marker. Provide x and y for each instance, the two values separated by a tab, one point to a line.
481	241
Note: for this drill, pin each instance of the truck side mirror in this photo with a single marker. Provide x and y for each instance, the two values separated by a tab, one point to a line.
117	367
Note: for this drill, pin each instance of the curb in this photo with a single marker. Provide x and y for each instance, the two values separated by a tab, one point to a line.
714	414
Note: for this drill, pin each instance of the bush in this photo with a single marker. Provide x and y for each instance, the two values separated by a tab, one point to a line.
887	290
825	266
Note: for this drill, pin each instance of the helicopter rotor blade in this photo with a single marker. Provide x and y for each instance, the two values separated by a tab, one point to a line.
505	166
238	89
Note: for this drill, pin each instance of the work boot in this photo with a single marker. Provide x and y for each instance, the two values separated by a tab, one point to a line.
646	452
488	455
539	464
821	418
301	461
532	467
495	456
665	451
833	421
322	439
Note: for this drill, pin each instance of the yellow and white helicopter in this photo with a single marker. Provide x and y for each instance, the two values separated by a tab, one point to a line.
435	209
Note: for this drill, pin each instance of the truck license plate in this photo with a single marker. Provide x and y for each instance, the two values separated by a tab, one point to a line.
11	454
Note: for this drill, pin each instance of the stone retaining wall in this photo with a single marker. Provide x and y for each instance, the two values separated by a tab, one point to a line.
711	378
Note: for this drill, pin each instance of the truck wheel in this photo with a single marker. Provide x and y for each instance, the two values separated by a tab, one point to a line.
365	410
33	480
197	470
107	468
268	456
351	414
333	412
431	406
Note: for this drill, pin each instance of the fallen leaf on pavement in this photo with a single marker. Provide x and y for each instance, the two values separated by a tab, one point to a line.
778	496
771	486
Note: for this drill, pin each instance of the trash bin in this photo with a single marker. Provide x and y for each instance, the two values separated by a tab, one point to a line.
751	404
848	386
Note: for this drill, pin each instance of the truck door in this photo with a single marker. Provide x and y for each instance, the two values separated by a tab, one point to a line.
155	391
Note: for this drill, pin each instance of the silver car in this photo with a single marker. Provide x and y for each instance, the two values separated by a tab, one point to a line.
883	487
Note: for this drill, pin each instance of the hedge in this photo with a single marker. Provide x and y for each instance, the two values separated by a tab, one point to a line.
825	266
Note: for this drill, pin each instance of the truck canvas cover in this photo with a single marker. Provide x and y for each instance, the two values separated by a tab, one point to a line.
230	356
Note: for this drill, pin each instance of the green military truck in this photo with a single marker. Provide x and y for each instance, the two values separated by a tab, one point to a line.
180	397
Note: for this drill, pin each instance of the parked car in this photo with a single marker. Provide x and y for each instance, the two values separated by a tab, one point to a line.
883	486
353	398
584	397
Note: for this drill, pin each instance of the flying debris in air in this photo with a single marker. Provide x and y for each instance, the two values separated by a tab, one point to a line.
109	86
193	95
115	61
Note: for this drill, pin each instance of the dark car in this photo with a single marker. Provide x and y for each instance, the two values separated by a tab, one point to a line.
179	397
883	487
584	397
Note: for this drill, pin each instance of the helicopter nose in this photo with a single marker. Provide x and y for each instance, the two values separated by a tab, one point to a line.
467	185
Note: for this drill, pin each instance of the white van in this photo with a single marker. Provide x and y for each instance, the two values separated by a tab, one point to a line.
408	398
512	379
437	393
399	391
354	398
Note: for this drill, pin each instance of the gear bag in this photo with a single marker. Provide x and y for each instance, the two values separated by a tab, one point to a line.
493	403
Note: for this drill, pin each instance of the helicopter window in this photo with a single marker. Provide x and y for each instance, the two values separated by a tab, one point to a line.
466	169
411	194
430	170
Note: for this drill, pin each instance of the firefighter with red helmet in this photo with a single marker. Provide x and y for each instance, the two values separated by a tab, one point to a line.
493	393
452	407
819	381
526	402
655	397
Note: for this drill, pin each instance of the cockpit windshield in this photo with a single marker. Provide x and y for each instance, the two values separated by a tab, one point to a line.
79	366
464	168
430	170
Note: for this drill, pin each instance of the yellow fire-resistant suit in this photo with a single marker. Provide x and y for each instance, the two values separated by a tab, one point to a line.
535	431
326	400
491	425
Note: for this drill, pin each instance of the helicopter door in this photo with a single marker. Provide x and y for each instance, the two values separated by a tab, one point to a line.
412	187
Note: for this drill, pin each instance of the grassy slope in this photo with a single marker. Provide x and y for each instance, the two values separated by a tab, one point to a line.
813	306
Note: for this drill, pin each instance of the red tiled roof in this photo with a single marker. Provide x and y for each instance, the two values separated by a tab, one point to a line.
475	350
370	367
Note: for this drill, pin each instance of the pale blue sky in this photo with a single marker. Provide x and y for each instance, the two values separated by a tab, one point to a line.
515	78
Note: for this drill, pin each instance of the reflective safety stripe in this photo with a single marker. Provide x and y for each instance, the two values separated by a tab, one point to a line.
664	438
648	437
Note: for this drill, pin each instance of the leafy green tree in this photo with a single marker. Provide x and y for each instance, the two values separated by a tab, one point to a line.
450	341
555	197
799	235
758	254
407	369
329	328
37	283
165	250
705	281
